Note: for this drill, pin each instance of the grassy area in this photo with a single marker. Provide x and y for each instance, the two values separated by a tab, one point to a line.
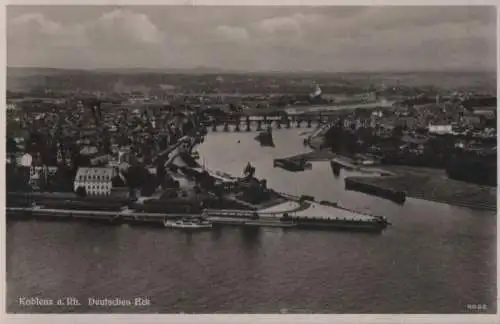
422	183
434	185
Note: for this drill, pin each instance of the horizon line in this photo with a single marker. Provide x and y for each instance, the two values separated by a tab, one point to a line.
237	71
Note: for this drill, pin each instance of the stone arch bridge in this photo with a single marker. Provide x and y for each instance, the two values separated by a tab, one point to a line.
239	123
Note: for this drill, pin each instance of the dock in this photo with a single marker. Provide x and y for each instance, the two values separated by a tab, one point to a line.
289	214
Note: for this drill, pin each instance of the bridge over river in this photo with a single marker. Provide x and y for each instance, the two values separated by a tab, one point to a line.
248	123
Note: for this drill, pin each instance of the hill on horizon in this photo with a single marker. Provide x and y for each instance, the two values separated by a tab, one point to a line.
210	70
25	78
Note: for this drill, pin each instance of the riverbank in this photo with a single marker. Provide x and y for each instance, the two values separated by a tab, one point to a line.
434	185
421	183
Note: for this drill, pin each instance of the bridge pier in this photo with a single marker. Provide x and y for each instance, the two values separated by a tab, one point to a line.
244	123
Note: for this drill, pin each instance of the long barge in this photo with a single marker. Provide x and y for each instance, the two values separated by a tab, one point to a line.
357	184
375	225
292	165
265	138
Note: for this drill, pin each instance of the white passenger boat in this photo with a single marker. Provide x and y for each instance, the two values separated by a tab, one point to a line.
188	224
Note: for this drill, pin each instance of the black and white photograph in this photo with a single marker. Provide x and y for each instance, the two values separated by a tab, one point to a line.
190	159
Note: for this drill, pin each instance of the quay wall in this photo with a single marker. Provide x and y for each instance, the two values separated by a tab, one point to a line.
235	218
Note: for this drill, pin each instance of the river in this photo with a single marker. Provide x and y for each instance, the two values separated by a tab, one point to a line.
435	258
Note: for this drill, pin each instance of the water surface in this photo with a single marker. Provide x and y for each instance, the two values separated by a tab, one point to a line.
434	259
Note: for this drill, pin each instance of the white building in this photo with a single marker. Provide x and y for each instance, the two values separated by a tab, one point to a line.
440	129
96	181
11	106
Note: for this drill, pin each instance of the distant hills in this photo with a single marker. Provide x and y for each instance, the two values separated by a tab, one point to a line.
197	79
25	71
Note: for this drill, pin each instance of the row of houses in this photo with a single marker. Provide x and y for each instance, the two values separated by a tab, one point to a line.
97	181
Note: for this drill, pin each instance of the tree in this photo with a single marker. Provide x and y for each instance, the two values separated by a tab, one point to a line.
136	176
61	181
397	132
15	180
81	192
117	181
149	187
35	142
11	145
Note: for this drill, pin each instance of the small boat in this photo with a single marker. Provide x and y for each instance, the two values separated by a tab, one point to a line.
265	138
335	167
292	165
188	224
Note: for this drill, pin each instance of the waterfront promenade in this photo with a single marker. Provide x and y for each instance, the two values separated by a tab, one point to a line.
293	206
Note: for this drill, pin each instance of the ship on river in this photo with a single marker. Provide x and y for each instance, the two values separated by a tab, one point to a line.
375	224
265	138
188	224
293	165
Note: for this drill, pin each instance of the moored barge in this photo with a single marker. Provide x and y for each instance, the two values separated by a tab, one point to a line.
265	138
292	165
357	184
377	224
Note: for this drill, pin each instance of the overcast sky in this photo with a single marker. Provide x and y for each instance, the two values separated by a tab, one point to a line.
253	38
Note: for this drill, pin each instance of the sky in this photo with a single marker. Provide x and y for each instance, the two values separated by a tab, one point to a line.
254	38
